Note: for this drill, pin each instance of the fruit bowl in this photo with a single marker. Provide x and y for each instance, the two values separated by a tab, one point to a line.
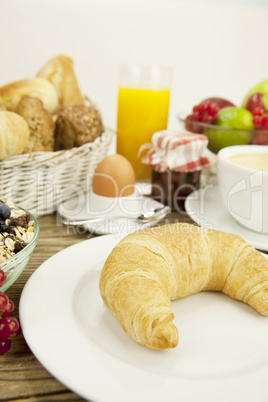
14	266
220	136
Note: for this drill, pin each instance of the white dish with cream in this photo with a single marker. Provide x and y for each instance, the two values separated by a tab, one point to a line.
243	184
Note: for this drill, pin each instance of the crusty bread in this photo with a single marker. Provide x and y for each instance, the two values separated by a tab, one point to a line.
39	87
2	104
77	125
40	124
60	72
151	267
14	134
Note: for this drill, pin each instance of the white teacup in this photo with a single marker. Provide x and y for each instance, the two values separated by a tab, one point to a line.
244	189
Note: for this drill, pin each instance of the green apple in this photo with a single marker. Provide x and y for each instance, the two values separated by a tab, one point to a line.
261	87
230	118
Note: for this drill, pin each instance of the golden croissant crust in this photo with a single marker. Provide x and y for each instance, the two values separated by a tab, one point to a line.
151	267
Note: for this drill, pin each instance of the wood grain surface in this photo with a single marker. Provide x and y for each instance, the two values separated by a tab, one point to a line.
22	377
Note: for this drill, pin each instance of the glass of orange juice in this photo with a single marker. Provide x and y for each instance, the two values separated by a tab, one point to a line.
143	104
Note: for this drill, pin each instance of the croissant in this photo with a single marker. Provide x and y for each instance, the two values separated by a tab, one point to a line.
151	267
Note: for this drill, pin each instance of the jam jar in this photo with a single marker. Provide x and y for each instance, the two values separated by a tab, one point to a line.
177	159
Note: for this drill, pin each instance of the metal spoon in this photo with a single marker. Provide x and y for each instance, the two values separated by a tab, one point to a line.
148	216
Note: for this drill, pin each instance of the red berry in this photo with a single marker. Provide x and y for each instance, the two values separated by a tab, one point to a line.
9	310
257	121
206	118
213	109
255	100
14	325
4	330
260	138
264	122
3	302
205	112
257	111
194	128
5	346
9	327
2	278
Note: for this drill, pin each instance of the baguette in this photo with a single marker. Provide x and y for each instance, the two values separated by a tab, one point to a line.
151	267
60	72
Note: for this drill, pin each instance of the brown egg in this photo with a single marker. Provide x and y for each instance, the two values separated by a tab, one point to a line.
114	177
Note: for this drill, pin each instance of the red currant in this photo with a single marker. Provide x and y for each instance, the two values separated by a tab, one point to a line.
257	121
5	346
194	128
2	278
3	302
260	138
4	330
205	112
261	121
9	327
255	101
257	111
264	122
9	310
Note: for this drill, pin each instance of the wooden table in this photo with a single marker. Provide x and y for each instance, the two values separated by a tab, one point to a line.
22	377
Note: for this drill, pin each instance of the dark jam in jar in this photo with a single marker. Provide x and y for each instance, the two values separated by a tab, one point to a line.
172	188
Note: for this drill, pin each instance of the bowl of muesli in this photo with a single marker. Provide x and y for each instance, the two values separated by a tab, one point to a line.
18	237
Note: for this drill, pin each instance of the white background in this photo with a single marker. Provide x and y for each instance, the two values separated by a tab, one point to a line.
216	48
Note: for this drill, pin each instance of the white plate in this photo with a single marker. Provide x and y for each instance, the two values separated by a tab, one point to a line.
206	208
90	205
222	355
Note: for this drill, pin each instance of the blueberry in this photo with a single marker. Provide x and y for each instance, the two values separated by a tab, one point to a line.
5	211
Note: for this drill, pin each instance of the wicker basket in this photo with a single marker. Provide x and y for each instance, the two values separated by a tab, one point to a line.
40	181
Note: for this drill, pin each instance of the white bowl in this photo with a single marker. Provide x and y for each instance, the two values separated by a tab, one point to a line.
244	190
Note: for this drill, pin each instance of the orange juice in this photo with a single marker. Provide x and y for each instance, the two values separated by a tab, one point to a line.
141	112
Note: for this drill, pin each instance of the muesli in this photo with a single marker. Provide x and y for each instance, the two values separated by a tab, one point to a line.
16	229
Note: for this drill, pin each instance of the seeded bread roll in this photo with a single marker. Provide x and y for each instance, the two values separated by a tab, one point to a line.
39	87
59	71
14	134
77	125
40	124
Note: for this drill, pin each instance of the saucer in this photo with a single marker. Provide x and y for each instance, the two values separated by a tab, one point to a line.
205	207
91	205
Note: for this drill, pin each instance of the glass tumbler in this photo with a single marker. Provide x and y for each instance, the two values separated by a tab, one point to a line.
143	106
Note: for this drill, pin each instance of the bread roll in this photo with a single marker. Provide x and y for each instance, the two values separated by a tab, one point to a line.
14	134
151	267
77	125
40	124
2	104
59	71
39	87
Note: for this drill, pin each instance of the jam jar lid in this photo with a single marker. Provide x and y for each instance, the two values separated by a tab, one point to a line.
179	151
